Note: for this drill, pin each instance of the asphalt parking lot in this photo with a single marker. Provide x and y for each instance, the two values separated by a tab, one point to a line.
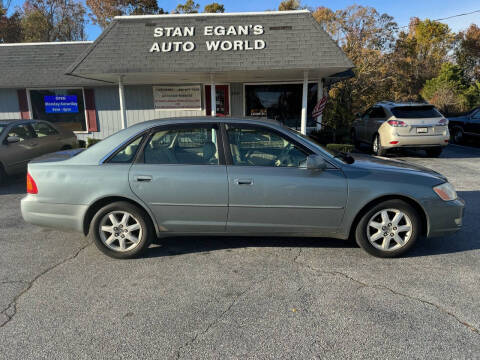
221	298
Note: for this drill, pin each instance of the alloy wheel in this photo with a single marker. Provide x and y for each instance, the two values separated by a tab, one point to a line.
375	144
389	229
120	231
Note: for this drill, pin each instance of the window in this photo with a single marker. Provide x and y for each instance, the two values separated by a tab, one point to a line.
187	145
127	154
263	147
64	107
377	113
415	112
282	102
23	132
476	116
43	129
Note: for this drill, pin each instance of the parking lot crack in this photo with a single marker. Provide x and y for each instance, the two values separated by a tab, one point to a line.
218	318
395	292
11	310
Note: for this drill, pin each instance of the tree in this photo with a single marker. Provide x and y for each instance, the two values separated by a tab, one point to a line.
53	20
214	8
103	11
10	26
450	92
190	7
289	5
467	52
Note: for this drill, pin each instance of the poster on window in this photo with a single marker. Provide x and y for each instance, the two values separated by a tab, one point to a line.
177	97
60	104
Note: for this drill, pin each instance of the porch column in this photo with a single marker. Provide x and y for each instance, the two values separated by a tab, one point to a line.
121	95
319	97
303	123
213	98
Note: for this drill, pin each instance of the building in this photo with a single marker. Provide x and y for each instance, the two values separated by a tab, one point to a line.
140	68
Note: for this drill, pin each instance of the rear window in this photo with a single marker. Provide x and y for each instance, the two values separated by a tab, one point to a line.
415	112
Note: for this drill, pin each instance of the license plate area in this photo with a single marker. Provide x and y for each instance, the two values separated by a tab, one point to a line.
422	130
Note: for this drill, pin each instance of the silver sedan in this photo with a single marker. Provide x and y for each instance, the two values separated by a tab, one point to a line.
204	176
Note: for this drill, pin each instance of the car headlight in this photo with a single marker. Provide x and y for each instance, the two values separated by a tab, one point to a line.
445	191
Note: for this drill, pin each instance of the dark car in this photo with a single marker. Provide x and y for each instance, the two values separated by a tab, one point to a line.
465	126
23	140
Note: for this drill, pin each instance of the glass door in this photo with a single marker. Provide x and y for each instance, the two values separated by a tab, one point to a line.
222	100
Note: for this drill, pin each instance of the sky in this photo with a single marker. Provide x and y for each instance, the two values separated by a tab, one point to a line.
401	10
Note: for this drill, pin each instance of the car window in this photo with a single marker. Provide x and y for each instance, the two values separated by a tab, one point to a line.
2	127
367	113
127	154
23	132
415	112
252	146
43	129
187	145
378	112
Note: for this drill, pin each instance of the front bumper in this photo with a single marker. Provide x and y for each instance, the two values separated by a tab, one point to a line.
444	217
64	216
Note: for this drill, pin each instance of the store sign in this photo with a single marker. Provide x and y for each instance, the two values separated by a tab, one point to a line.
177	97
188	32
61	104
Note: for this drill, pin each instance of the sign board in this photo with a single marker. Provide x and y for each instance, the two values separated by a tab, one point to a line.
60	104
177	97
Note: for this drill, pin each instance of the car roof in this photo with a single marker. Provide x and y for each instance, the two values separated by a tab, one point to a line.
391	104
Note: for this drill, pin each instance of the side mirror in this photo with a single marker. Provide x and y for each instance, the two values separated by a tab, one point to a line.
358	115
315	162
13	139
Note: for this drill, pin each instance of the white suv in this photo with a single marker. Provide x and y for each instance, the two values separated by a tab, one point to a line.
389	125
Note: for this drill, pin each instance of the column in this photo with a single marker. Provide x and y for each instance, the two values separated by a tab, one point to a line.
121	95
319	97
213	97
303	122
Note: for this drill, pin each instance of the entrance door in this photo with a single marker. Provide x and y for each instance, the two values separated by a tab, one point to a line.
222	100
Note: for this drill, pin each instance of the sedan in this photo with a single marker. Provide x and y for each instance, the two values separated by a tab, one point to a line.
23	140
204	176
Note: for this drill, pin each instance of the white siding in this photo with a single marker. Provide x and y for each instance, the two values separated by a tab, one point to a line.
9	104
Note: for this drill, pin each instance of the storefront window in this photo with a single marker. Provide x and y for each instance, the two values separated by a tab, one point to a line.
64	107
282	102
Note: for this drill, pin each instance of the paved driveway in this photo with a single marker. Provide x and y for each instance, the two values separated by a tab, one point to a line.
242	298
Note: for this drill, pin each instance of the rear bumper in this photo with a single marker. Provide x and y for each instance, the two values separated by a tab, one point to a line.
444	217
64	216
417	141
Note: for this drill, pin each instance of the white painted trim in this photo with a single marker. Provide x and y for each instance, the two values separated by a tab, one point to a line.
48	43
253	13
303	115
60	87
121	97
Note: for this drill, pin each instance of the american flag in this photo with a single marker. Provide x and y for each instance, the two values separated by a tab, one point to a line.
318	109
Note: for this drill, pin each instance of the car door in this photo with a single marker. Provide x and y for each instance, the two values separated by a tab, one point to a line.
376	119
362	126
472	127
270	191
17	155
181	175
48	138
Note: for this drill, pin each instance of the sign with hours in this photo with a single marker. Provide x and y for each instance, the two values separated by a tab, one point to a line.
171	44
179	97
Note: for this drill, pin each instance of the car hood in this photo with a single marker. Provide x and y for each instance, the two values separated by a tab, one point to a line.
57	156
382	164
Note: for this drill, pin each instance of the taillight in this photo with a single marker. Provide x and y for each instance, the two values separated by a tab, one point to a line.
397	123
393	142
443	122
31	186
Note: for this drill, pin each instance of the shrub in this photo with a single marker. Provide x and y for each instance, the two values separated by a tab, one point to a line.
341	147
92	141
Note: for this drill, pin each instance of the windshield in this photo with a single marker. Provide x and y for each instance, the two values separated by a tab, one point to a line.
415	112
2	127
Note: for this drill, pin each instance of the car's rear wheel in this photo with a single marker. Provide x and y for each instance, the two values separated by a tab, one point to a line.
121	230
377	146
434	152
388	229
457	136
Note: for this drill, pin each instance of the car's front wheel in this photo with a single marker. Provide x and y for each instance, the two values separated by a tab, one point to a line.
121	230
388	229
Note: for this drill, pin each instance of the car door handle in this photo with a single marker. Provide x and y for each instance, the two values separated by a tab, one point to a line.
243	181
143	178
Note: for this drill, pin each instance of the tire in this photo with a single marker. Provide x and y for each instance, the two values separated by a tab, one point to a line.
377	148
434	152
355	141
388	246
457	136
137	221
